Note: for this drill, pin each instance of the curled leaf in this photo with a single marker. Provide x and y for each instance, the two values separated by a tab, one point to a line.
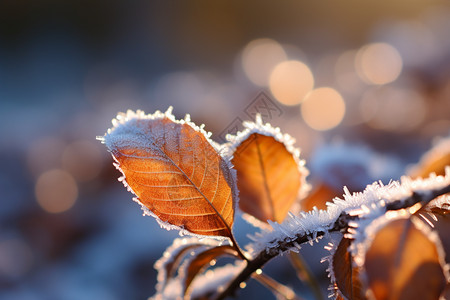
168	264
346	273
403	262
271	177
175	171
202	260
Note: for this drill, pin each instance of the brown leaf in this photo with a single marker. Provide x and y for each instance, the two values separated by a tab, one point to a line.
268	177
175	172
346	273
202	261
172	265
319	197
433	161
438	218
403	263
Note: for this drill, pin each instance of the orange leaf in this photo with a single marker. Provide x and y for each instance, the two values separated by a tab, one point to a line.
270	173
433	161
202	261
402	262
319	197
346	273
167	267
175	171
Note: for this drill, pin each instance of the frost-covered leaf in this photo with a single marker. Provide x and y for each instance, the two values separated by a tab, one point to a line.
270	174
169	263
368	205
205	286
403	262
202	260
433	161
175	171
346	274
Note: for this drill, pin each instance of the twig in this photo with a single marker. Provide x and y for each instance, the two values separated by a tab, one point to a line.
341	224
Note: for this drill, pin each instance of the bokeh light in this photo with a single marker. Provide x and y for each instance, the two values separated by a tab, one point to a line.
16	258
45	154
346	75
259	58
56	191
393	109
323	108
83	160
290	81
378	63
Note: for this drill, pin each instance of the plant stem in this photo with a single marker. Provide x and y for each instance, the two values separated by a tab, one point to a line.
277	288
341	224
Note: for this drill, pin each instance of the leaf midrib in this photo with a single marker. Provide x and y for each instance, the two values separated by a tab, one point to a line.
194	185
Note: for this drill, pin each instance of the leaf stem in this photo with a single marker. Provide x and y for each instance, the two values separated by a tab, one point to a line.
275	287
340	224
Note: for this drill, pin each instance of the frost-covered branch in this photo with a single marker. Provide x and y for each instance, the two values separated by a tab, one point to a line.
376	200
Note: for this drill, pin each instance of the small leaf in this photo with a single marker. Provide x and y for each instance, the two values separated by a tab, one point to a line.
202	260
346	273
175	171
433	161
270	173
437	216
168	264
403	263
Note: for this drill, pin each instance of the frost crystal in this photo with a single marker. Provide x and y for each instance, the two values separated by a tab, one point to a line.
367	205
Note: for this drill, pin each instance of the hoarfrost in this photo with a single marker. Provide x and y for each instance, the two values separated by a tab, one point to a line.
129	131
367	205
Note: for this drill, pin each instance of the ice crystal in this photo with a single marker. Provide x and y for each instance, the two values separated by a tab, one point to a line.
367	205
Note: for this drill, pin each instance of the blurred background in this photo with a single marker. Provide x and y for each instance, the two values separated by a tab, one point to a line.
364	87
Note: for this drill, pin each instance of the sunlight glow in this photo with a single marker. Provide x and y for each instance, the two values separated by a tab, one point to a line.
259	58
56	191
378	63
